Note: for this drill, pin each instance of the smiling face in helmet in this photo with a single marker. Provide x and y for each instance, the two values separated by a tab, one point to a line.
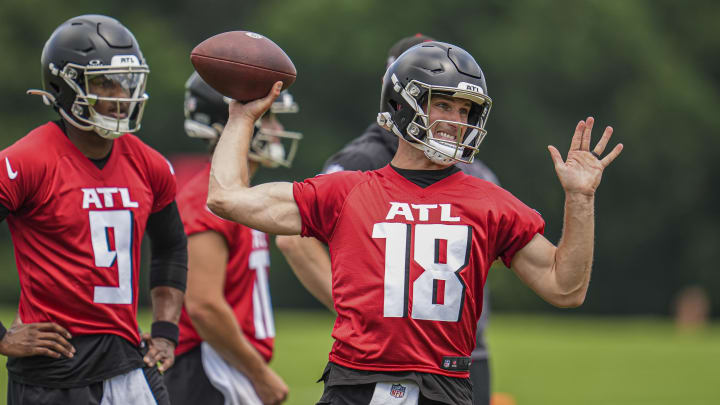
444	112
443	80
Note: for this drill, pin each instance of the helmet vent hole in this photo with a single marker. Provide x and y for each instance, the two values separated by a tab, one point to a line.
77	23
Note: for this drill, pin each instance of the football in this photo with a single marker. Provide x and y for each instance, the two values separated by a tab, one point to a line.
242	65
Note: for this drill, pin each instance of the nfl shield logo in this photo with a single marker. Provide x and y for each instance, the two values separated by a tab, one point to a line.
397	390
446	363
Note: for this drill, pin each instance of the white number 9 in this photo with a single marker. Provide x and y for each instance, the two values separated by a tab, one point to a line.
121	223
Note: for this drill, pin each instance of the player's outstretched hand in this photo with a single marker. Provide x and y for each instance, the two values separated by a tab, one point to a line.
37	339
270	388
583	169
161	352
253	110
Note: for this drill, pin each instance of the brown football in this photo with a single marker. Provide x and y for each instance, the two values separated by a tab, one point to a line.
242	65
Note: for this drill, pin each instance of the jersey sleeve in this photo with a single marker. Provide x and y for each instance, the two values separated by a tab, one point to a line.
357	159
480	170
21	174
162	181
518	224
320	200
198	218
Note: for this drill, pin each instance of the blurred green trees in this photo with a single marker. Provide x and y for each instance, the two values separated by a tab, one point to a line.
651	69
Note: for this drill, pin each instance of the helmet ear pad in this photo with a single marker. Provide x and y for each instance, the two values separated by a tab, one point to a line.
404	116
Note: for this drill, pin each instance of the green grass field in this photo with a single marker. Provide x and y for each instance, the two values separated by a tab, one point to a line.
539	359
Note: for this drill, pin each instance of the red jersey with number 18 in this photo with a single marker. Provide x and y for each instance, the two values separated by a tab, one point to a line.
77	229
409	263
246	287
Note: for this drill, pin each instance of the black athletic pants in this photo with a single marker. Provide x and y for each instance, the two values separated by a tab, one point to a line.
188	384
24	394
480	378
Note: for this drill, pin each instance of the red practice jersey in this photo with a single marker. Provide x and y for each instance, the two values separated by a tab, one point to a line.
77	229
409	263
246	280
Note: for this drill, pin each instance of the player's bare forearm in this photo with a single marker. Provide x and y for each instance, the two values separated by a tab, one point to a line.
561	275
574	255
167	303
216	324
310	262
230	170
209	311
229	163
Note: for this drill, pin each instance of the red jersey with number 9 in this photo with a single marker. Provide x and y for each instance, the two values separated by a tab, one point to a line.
409	263
77	229
246	287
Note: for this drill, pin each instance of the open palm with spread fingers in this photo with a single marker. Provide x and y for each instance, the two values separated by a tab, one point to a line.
583	169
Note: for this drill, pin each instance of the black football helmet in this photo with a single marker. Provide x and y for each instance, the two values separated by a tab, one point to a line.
427	69
97	49
206	113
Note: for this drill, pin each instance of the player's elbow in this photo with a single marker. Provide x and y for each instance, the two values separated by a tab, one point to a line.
200	311
219	202
569	300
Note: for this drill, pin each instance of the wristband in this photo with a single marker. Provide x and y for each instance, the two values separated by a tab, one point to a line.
165	329
3	331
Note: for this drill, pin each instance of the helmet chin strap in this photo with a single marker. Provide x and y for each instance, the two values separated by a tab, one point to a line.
103	121
73	122
101	132
436	156
104	133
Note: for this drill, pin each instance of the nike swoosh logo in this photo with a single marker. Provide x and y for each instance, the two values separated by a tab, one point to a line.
11	173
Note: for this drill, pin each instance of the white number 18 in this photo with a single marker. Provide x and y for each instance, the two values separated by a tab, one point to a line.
442	251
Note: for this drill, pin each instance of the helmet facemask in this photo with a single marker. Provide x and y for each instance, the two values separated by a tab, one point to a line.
275	147
439	146
271	147
96	90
